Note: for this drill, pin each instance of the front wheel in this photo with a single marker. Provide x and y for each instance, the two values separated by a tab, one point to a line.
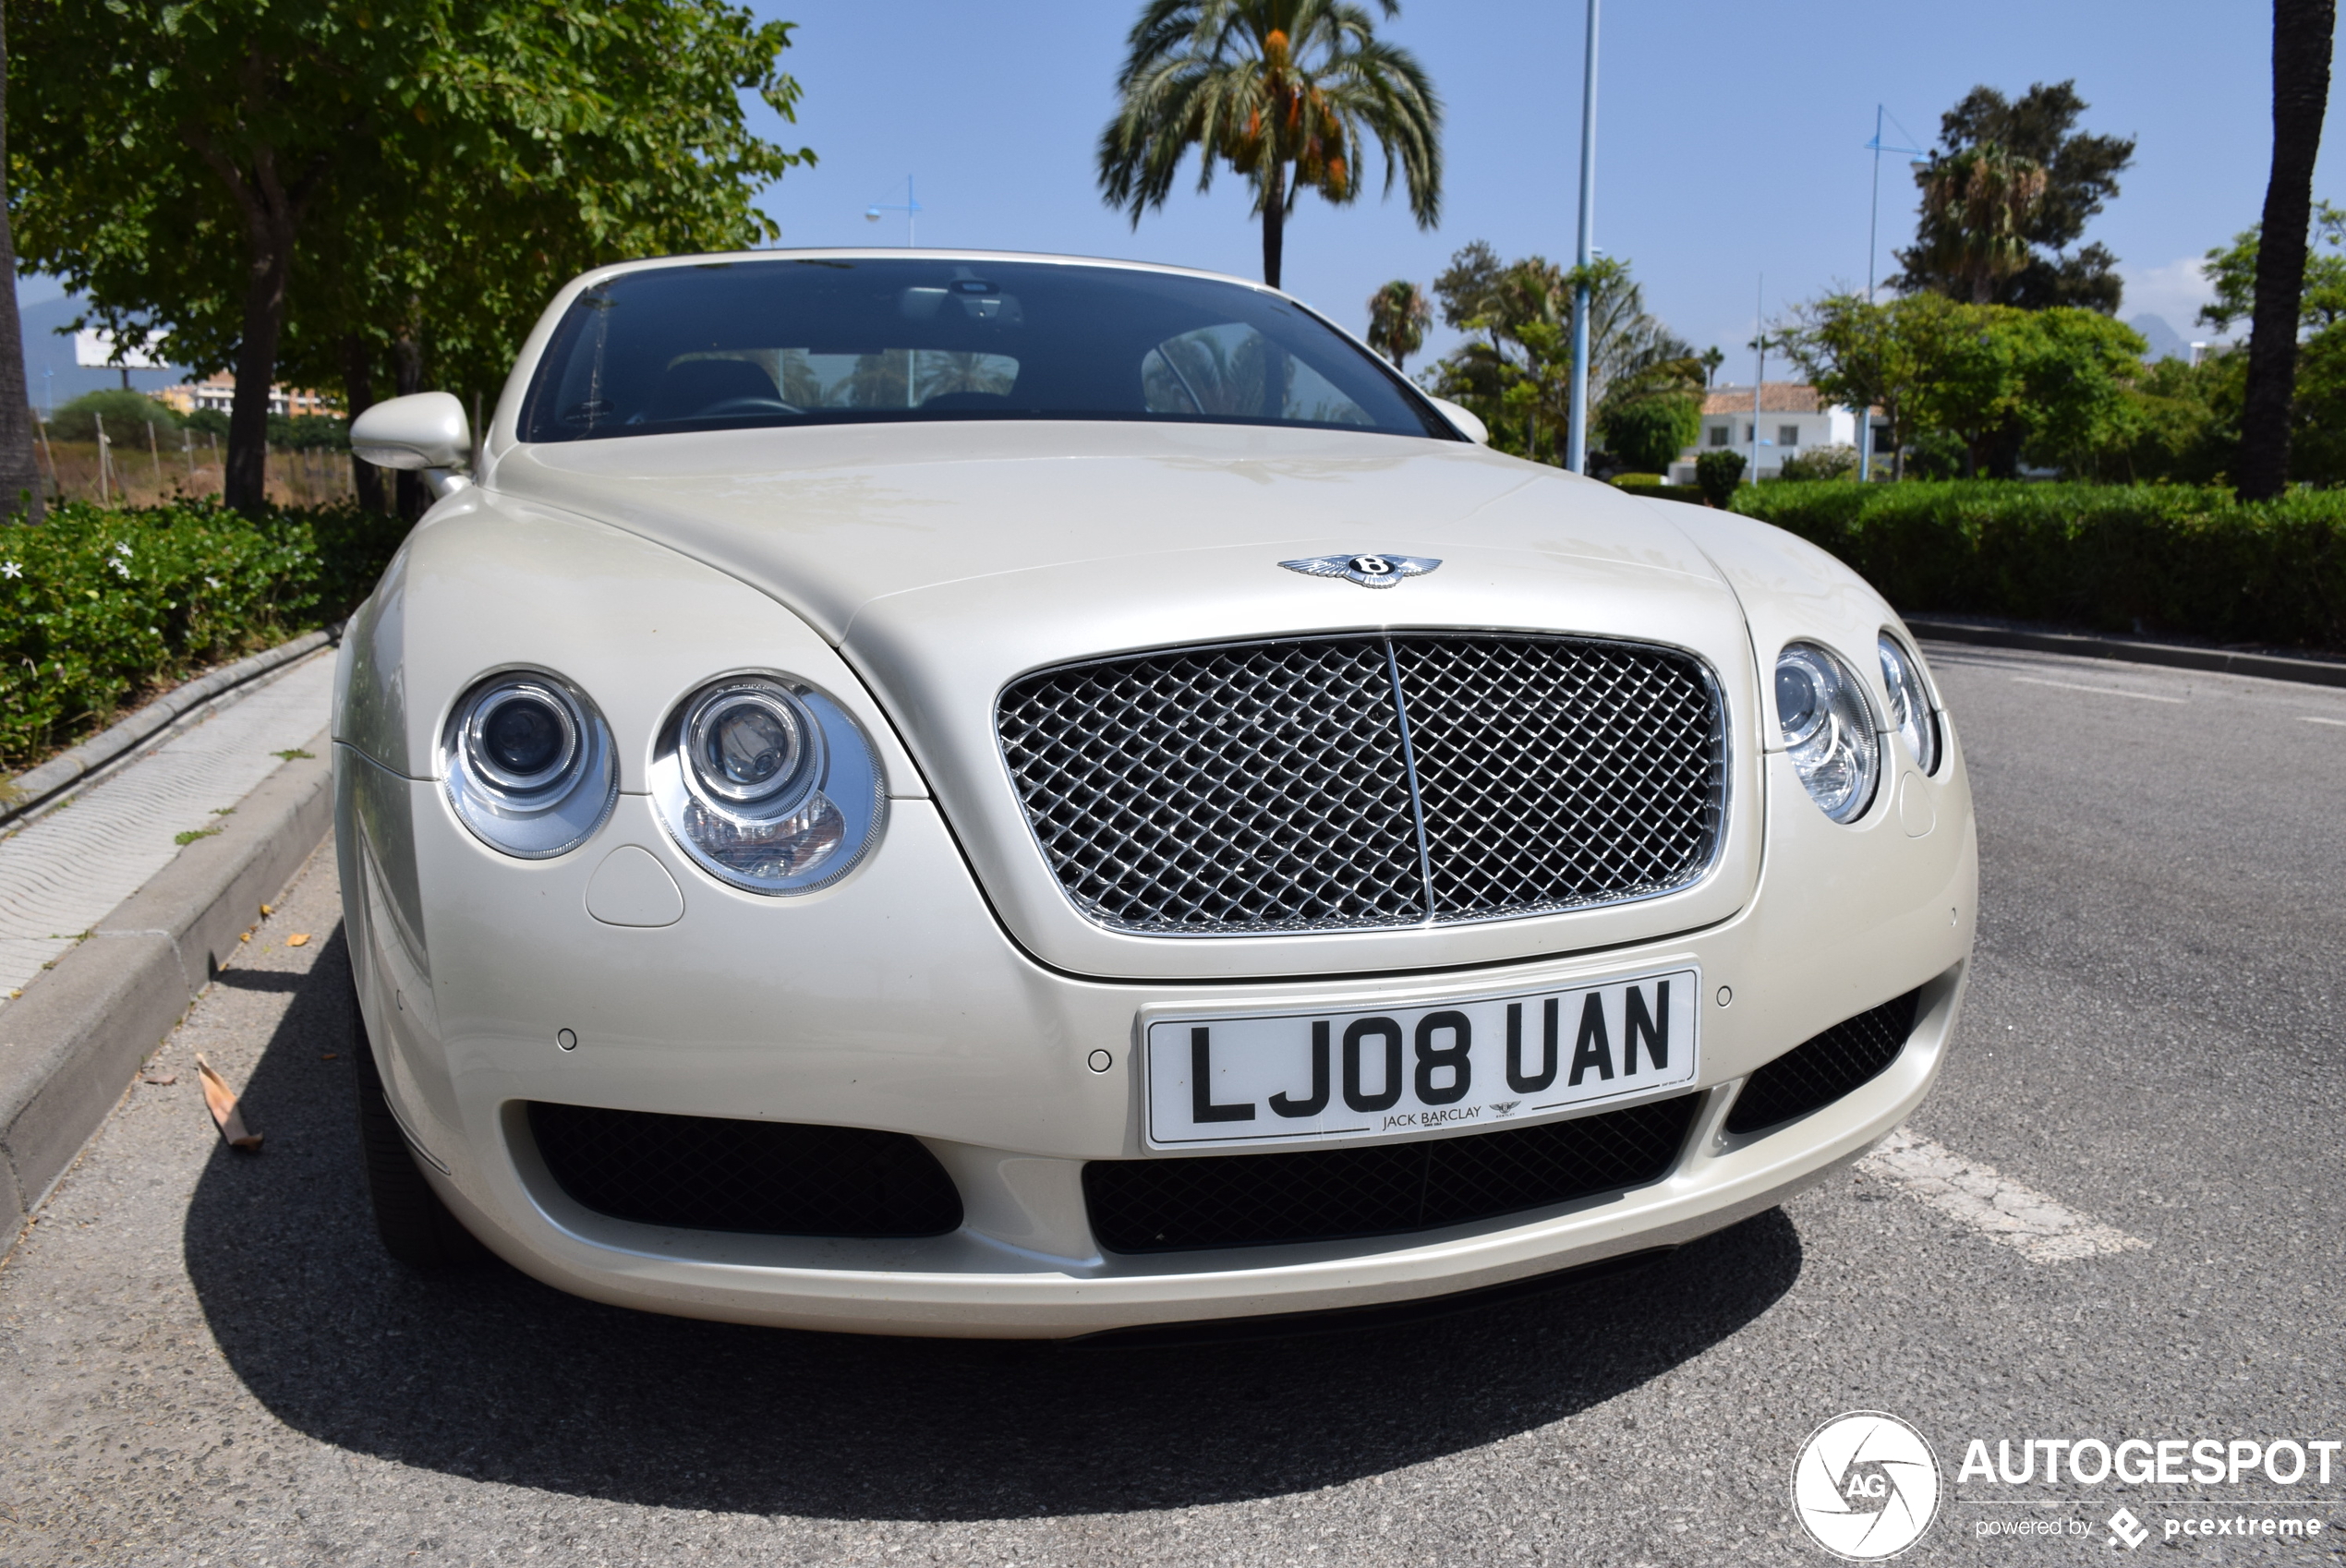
416	1227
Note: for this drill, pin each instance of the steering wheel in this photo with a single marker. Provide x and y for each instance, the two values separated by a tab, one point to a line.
748	405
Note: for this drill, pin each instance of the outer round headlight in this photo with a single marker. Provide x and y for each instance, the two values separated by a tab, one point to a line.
1910	712
1828	729
528	765
768	784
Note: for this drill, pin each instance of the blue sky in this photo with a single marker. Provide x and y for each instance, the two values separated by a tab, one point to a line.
1729	142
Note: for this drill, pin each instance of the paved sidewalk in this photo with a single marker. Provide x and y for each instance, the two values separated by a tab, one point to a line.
62	873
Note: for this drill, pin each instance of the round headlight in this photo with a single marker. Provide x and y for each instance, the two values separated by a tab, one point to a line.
521	736
768	785
1828	729
749	741
529	765
1910	712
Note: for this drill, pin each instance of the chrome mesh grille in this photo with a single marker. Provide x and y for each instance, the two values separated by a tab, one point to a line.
1267	787
1558	773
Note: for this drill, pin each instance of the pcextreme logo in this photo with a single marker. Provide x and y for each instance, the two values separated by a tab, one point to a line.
1866	1485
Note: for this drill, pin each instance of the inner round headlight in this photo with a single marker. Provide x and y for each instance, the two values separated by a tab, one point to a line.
521	736
768	784
1828	729
749	741
529	765
1910	712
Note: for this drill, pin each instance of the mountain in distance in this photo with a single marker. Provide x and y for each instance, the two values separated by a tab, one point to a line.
2165	342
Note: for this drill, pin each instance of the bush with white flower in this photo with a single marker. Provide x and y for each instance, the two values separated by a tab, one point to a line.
99	608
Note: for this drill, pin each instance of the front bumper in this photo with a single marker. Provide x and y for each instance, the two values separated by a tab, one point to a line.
895	1001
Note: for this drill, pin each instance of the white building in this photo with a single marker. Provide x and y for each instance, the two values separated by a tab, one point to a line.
1792	419
219	392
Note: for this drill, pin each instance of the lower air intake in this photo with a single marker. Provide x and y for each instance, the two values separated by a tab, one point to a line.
766	1178
1382	1189
1852	1051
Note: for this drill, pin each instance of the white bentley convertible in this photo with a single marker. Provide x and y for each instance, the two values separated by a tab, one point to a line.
997	795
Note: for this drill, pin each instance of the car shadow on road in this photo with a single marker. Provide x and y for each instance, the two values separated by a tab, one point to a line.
491	1376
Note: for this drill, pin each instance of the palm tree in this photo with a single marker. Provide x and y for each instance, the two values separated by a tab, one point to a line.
1976	207
2302	30
1398	316
1288	92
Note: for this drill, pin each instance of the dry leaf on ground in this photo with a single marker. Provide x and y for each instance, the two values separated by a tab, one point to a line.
222	1101
298	939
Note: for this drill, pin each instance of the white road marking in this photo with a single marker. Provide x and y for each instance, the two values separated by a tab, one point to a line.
2098	690
2309	718
1975	1195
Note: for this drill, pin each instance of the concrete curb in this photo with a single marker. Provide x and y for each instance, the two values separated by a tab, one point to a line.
2272	666
72	1042
34	791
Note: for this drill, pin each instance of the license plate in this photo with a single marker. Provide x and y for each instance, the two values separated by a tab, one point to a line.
1403	1072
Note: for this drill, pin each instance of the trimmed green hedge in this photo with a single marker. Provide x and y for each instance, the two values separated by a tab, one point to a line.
2119	558
98	607
1655	489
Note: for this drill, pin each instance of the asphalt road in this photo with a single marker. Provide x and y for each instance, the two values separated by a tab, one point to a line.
204	1357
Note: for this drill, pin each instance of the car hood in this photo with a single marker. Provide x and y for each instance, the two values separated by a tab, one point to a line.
945	560
829	520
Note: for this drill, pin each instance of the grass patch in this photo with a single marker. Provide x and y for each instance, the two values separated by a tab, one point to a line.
190	836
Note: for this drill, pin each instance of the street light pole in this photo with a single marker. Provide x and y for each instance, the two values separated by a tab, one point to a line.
1873	219
1575	447
909	207
1873	224
1760	373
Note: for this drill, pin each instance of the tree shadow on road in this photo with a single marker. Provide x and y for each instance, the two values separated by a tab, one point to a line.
494	1377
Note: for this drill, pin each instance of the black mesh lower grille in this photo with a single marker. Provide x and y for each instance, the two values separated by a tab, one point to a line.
1382	1189
1820	1071
770	1179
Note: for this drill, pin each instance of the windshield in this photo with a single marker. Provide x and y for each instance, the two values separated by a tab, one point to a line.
798	341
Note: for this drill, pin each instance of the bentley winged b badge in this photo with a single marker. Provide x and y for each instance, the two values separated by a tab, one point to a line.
1370	570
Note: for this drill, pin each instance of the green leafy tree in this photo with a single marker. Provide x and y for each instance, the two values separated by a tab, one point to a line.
2077	371
1858	355
1515	373
1398	314
1468	288
1929	362
2182	426
1646	434
19	465
1288	92
2317	413
2231	272
2080	173
1970	381
308	191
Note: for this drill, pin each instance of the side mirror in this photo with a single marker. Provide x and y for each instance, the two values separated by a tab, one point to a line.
426	430
1467	425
